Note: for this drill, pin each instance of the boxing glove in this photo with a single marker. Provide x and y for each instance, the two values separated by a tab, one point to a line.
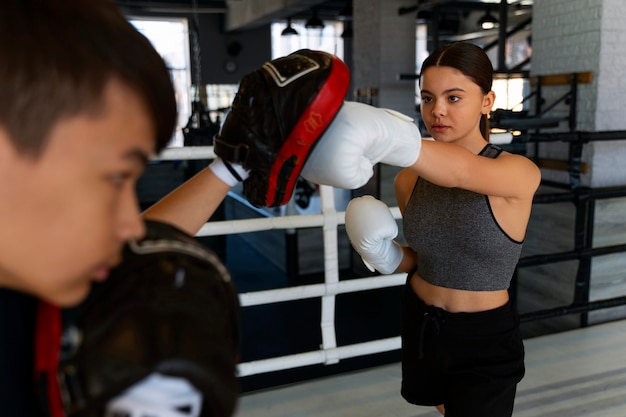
371	229
359	137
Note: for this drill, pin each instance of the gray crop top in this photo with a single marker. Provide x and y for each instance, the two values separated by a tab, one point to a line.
459	243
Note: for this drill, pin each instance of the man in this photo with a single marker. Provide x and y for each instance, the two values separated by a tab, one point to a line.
84	102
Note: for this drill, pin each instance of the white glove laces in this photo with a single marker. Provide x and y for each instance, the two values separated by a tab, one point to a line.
157	396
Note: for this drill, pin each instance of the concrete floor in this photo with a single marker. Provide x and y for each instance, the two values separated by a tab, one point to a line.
578	373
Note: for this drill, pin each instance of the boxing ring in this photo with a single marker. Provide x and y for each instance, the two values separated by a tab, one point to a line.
329	219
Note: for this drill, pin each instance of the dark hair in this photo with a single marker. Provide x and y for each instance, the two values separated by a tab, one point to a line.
57	58
472	61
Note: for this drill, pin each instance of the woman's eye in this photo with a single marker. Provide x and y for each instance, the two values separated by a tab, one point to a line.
426	99
454	99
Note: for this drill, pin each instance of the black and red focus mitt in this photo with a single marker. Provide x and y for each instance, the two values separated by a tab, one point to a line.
279	113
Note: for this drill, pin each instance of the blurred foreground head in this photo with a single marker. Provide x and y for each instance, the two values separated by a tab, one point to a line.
170	308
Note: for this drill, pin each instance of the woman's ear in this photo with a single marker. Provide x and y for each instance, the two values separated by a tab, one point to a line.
488	101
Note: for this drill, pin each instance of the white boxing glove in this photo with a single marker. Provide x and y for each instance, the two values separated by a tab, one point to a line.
359	137
371	229
157	395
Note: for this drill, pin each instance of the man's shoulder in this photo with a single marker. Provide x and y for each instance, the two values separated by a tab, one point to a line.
17	328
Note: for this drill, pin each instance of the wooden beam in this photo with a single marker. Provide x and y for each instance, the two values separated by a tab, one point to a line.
560	165
562	79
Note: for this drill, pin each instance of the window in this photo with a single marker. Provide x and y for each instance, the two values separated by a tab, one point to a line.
509	93
170	38
219	99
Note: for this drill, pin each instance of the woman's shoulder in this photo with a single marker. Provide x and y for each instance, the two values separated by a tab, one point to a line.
515	177
523	163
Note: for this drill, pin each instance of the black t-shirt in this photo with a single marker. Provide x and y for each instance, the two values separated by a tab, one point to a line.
17	329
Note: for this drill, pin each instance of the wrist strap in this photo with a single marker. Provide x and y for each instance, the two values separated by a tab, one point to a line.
228	173
233	171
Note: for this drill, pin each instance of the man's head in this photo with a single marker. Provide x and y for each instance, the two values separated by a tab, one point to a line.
84	101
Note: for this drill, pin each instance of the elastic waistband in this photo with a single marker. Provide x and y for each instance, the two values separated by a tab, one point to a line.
501	318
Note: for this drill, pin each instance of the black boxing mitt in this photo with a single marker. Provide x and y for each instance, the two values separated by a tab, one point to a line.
169	308
279	113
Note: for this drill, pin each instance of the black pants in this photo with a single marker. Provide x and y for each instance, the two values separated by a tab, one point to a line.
470	362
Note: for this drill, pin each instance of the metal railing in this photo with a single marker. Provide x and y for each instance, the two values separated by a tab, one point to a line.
329	220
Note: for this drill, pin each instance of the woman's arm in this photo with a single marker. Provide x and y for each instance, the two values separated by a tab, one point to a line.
448	165
190	205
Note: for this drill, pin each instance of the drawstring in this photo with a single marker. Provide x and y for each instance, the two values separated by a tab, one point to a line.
433	317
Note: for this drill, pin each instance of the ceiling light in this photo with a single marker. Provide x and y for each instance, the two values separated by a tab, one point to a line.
423	16
289	30
345	13
314	22
488	21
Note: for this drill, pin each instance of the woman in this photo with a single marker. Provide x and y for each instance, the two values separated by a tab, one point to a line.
465	206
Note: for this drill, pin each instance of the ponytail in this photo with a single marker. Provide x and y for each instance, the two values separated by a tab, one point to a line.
484	126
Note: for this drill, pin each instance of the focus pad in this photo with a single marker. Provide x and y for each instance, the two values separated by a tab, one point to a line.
279	113
169	307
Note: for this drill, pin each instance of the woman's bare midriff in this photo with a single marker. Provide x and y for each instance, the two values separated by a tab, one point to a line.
457	301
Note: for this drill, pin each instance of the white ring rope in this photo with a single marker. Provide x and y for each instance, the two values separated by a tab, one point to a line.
206	152
329	219
318	357
186	152
303	292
